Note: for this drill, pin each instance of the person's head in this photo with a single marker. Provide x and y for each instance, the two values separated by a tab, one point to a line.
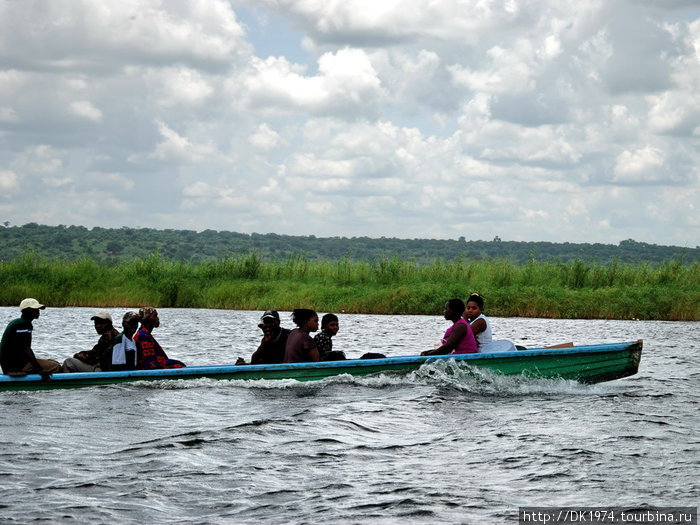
103	322
330	324
454	308
475	306
305	319
270	322
149	317
130	323
30	308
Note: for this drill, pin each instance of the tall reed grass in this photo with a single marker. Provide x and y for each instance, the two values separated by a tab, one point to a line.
575	289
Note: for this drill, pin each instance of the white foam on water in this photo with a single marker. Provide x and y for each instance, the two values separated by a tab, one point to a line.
442	374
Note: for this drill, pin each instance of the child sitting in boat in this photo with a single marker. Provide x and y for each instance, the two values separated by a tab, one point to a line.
482	327
459	338
329	328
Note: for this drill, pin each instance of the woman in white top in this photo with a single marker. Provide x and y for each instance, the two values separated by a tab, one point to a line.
482	327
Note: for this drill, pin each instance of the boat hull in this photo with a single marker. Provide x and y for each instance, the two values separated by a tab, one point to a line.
587	364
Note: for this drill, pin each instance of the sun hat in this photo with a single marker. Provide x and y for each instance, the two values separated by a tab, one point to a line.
31	303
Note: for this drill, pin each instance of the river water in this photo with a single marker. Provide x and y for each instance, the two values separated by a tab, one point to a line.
429	447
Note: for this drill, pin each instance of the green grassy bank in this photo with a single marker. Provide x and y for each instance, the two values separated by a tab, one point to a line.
577	289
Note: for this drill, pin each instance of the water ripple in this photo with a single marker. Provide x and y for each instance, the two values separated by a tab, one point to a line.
377	449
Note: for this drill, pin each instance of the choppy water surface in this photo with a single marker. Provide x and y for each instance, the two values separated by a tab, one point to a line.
432	447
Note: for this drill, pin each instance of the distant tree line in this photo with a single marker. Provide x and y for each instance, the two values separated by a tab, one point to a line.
123	244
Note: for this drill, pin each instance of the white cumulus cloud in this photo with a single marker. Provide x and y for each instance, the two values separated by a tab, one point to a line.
413	119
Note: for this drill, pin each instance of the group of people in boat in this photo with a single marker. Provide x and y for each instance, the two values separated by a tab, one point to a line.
135	348
132	348
282	345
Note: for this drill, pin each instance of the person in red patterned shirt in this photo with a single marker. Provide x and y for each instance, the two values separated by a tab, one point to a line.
149	353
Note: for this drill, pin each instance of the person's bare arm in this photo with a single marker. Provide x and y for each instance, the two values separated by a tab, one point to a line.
478	326
456	336
256	358
313	354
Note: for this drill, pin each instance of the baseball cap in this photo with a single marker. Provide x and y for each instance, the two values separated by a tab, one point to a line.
31	303
104	316
270	314
128	316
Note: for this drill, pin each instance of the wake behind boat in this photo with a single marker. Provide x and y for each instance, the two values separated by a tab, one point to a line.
585	363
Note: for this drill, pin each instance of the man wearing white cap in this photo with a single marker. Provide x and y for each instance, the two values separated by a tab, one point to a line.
16	354
100	357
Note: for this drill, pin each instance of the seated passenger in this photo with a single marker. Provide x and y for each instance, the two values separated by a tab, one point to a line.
123	355
301	348
149	353
458	338
16	354
273	342
329	328
93	360
482	327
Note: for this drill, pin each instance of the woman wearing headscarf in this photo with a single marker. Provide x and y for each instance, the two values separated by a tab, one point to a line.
150	355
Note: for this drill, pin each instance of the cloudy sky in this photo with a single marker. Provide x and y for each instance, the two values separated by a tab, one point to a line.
564	120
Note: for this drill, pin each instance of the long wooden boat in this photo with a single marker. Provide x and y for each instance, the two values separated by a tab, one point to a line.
585	363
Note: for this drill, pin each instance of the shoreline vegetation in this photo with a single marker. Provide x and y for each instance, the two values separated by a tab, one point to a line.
568	290
111	245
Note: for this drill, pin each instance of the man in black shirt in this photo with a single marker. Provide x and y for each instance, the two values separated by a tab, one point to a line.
273	343
16	354
96	359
